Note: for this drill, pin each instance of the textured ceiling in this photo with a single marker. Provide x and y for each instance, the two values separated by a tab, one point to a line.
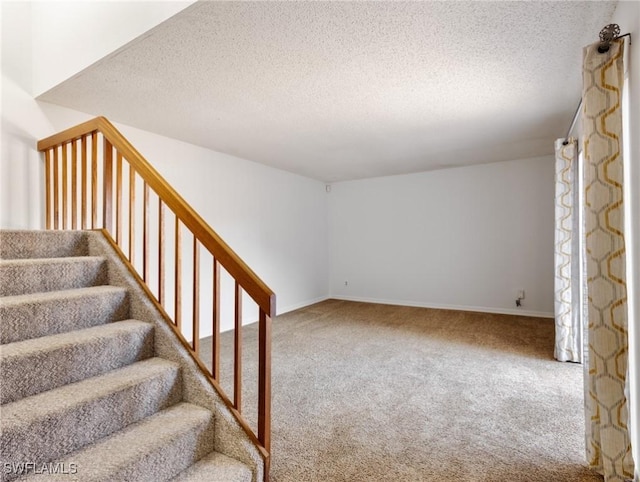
347	90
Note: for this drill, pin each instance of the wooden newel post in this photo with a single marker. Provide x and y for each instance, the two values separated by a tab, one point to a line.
264	387
264	384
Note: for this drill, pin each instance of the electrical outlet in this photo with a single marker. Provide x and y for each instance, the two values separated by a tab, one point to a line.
521	294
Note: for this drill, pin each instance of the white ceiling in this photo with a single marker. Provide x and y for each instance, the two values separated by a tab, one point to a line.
348	90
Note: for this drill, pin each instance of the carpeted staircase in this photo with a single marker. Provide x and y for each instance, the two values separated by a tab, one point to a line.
92	390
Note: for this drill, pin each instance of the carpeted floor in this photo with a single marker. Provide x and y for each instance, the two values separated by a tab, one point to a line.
366	392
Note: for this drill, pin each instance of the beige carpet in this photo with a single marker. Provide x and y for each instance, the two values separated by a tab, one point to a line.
365	392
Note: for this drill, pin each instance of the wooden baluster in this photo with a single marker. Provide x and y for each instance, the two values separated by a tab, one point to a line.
264	380
145	235
237	351
215	348
56	203
161	251
74	184
178	277
184	217
119	199
107	208
94	180
132	214
83	189
65	194
47	187
196	296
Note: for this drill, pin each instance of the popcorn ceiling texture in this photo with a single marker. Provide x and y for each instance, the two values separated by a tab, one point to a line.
346	90
118	390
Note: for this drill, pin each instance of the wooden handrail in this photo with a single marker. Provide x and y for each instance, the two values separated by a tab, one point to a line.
101	167
238	269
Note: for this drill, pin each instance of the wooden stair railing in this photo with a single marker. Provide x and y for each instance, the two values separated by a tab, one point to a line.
82	166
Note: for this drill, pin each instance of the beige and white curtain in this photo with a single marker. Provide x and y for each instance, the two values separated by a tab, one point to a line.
568	342
606	365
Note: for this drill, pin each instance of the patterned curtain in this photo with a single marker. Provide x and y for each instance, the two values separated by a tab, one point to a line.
606	405
568	344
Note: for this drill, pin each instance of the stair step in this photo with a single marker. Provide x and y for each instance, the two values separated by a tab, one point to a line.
23	317
152	450
24	276
216	467
46	426
34	366
18	244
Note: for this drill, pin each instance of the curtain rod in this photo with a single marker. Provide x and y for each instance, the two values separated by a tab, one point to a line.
608	34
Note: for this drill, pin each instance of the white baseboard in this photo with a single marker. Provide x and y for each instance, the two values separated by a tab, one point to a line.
420	304
287	309
302	304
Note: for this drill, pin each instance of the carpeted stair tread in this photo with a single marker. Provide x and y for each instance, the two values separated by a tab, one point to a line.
48	425
19	244
82	389
70	357
23	276
152	450
215	467
23	317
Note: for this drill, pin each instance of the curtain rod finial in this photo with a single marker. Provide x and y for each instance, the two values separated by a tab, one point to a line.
607	35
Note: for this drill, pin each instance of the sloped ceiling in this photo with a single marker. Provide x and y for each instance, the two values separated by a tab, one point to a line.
348	90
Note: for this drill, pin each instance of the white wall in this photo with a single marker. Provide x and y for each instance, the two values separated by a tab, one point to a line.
627	15
504	209
22	123
82	33
465	238
276	221
42	44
